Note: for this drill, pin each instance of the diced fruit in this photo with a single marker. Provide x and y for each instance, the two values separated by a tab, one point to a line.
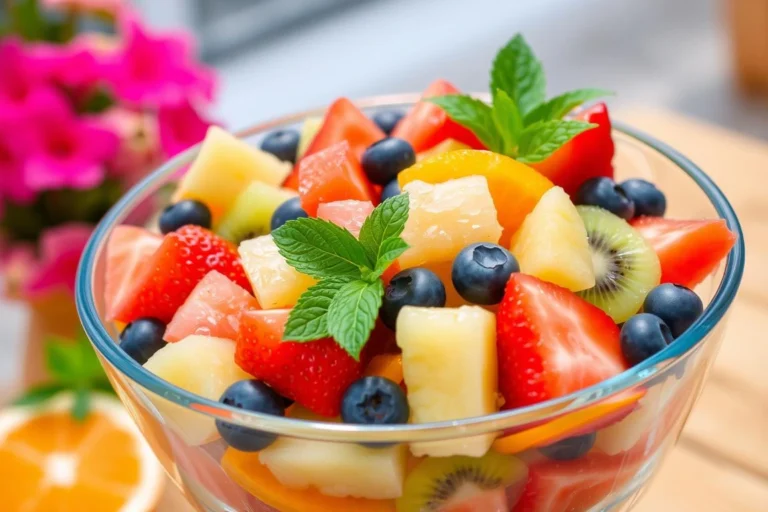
224	167
625	266
253	396
128	252
374	400
188	211
389	366
333	174
587	155
309	129
142	338
463	484
338	469
606	194
391	189
571	448
481	271
648	199
282	143
551	342
212	309
515	187
446	217
411	287
643	336
689	250
249	473
275	283
676	305
386	120
199	364
383	160
552	243
169	276
315	374
426	124
444	147
347	214
251	212
449	364
289	210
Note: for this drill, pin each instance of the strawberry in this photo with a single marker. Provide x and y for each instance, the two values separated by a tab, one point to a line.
551	342
182	260
315	374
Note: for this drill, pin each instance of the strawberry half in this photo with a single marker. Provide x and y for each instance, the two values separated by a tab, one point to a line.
551	342
315	374
182	260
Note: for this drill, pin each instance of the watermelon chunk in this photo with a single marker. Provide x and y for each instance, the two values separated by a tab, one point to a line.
347	214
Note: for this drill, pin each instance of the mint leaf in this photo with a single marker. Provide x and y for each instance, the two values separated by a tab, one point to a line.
40	394
307	320
63	359
518	72
472	114
321	249
82	404
386	221
391	249
559	106
541	139
509	123
353	313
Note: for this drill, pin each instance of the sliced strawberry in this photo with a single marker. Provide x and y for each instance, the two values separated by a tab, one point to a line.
551	342
587	155
688	250
182	260
128	251
315	374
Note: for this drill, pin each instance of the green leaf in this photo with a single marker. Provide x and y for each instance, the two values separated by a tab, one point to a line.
391	249
307	320
40	394
82	404
541	139
321	249
559	106
26	19
472	114
353	313
509	123
103	385
63	359
386	221
518	72
99	100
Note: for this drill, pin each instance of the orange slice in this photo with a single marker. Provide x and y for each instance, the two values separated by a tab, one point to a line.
565	426
515	187
389	366
49	461
246	470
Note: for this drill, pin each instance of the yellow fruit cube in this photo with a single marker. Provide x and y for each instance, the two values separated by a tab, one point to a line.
444	147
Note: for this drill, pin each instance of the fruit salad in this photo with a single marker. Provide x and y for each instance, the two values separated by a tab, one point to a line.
447	262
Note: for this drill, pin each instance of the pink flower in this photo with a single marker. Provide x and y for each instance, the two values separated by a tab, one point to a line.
157	70
15	142
74	65
22	80
55	269
139	150
108	6
181	126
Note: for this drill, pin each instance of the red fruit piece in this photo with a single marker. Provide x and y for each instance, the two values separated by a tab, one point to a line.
333	174
688	250
182	260
315	374
212	309
128	251
427	125
347	214
587	155
551	342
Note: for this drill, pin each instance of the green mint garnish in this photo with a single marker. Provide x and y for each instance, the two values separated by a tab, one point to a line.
519	123
345	302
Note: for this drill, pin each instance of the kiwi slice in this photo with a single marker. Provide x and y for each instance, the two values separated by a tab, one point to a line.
626	266
251	212
439	483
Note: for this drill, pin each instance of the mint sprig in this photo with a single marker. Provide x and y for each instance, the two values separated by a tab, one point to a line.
520	123
345	302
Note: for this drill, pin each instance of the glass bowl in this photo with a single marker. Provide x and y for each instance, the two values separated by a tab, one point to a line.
635	417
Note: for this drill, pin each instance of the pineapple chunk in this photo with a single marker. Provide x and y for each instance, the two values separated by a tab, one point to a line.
224	167
200	364
446	217
449	365
444	147
252	210
275	283
552	243
338	469
308	131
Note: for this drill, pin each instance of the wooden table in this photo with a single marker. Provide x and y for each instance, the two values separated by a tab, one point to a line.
721	461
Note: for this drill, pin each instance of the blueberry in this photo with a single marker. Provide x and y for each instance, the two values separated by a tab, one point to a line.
250	395
289	210
642	336
142	338
374	401
606	194
570	448
282	143
481	271
384	159
411	287
391	189
387	119
676	305
184	213
648	199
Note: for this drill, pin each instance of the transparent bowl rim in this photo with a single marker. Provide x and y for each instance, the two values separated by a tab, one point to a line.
681	349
